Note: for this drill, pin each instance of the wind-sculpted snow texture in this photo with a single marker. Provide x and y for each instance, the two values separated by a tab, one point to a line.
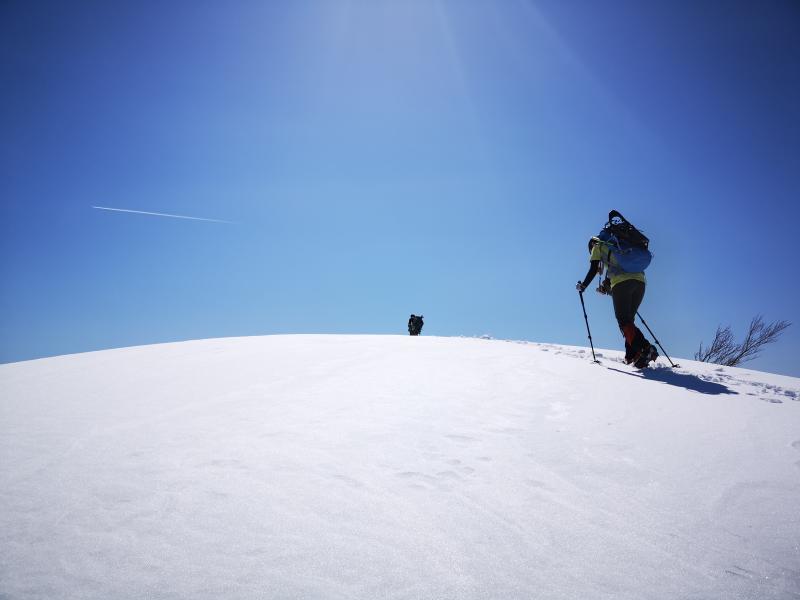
369	467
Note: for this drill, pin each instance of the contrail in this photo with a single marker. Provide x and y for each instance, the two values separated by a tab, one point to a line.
157	214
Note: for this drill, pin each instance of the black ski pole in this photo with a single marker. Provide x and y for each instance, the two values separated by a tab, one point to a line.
656	339
585	318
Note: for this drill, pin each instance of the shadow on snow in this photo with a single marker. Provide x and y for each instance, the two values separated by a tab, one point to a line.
686	380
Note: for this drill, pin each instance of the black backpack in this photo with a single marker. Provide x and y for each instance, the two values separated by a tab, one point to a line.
623	230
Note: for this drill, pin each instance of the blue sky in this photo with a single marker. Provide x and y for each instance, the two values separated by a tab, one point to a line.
449	158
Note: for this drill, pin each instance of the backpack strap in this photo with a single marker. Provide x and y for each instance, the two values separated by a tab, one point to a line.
608	247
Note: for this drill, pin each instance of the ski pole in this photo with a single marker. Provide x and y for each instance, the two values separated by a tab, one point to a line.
585	318
656	339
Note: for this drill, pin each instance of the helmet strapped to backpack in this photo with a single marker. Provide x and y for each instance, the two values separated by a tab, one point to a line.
624	231
628	245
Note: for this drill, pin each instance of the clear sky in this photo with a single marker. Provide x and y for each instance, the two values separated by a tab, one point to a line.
372	159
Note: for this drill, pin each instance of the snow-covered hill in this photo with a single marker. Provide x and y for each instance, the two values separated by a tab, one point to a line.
394	467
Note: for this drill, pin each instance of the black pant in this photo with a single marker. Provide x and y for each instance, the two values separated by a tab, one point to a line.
627	297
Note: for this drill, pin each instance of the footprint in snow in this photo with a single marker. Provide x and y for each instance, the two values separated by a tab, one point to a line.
772	400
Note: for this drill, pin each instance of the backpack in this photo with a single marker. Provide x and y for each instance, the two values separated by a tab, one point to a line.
628	245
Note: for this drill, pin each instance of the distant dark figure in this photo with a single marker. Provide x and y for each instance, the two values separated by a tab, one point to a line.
415	325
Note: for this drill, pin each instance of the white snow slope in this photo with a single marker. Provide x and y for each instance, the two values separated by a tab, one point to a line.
394	467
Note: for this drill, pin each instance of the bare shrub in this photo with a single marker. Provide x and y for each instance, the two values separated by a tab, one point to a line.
725	351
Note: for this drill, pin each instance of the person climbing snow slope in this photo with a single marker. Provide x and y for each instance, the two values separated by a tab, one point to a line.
621	251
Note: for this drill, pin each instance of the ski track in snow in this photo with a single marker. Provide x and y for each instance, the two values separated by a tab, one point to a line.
394	467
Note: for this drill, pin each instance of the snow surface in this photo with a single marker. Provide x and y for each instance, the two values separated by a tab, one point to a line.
394	467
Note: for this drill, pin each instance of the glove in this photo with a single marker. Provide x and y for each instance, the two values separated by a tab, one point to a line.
580	287
605	287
